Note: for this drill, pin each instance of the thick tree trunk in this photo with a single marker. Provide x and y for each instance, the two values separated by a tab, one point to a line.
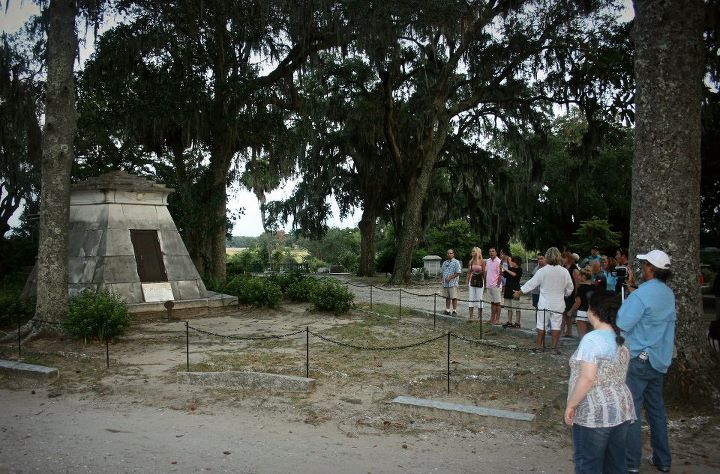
218	213
367	242
57	159
666	167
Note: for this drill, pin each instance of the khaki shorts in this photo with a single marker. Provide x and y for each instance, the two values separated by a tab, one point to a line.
494	295
450	292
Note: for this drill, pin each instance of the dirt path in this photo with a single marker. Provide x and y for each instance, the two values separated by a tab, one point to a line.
71	434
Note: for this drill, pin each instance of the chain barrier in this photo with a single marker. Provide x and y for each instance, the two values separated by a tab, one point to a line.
370	348
493	344
246	338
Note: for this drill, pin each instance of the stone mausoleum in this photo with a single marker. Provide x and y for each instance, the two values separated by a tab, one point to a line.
122	238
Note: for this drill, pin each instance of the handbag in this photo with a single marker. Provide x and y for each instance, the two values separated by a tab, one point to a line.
476	280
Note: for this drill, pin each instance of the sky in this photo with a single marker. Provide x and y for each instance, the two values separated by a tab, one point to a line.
250	222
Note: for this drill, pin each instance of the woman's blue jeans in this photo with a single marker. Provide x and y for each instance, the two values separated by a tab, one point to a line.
646	386
600	450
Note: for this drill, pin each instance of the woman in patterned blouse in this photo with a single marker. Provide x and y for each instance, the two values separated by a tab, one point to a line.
600	405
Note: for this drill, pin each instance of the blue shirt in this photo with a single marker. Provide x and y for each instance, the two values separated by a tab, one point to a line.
450	267
596	345
647	317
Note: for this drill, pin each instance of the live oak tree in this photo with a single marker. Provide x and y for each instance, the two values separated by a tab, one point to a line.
669	67
220	49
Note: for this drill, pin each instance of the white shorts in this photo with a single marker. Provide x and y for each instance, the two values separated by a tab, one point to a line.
548	318
581	316
494	295
475	296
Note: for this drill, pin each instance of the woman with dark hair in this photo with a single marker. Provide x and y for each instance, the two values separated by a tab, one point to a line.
568	261
512	276
600	405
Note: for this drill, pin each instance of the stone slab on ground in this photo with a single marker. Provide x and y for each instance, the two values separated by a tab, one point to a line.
28	370
251	380
456	408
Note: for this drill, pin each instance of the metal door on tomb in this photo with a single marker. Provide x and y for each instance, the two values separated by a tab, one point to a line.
148	256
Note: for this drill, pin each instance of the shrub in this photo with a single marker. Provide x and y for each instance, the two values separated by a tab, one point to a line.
99	314
329	295
255	290
302	289
284	280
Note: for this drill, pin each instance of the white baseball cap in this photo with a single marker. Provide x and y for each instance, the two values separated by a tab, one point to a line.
657	258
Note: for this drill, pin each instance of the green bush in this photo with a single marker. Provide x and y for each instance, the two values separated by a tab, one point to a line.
97	314
258	291
329	295
301	289
284	280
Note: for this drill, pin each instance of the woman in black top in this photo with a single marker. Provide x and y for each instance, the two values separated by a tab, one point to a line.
584	291
512	283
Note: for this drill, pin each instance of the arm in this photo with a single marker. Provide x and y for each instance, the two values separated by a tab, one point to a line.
588	373
529	285
630	313
469	274
568	285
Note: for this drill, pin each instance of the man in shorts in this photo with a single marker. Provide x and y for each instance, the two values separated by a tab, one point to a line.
451	270
493	285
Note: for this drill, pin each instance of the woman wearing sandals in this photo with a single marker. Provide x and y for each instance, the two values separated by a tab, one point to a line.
512	284
600	406
476	270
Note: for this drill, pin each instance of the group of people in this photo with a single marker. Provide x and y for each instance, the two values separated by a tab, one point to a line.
619	365
495	278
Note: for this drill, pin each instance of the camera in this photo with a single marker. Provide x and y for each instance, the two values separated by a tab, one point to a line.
621	272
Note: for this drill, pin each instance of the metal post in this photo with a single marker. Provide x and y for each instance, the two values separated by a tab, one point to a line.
187	345
480	321
434	310
371	287
107	353
544	329
307	351
448	363
19	339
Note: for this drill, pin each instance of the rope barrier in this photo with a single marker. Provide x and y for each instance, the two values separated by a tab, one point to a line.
369	348
485	342
246	338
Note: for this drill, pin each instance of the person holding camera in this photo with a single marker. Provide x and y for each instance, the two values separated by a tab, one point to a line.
647	318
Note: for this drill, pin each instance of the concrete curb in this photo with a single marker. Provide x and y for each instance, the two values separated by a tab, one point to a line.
29	370
503	417
251	380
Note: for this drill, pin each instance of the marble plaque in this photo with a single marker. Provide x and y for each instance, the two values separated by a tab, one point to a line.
157	292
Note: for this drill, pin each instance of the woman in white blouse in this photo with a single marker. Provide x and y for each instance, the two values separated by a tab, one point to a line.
600	405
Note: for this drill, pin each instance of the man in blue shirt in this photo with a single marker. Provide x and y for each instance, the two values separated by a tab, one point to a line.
647	317
450	269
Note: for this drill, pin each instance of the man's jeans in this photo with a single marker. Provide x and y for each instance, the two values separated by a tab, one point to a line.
598	450
646	386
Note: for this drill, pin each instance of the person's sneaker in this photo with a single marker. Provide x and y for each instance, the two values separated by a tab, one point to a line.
447	312
454	314
659	468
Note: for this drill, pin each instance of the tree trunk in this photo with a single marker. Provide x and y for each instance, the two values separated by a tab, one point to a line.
57	160
218	213
669	65
367	242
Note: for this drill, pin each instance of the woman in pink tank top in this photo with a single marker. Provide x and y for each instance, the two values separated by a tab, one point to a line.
476	269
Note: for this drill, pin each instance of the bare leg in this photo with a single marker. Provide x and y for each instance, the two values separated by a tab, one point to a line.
454	304
582	328
470	312
539	340
517	316
555	340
